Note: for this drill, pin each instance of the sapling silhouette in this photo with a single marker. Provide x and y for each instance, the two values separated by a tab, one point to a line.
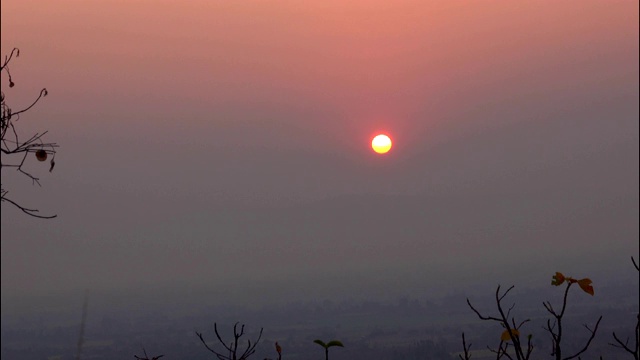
232	347
326	346
555	327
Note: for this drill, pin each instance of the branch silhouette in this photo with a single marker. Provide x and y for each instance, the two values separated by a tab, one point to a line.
232	346
634	351
14	148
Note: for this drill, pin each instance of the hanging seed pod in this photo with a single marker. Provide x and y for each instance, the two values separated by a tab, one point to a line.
41	155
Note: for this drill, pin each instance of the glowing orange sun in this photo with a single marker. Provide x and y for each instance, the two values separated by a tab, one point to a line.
381	144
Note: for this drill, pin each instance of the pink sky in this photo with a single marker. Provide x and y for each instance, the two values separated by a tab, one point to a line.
369	64
169	110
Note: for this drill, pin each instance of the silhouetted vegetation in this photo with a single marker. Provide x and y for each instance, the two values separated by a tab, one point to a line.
634	351
326	346
510	339
511	332
402	328
554	327
232	346
146	357
14	146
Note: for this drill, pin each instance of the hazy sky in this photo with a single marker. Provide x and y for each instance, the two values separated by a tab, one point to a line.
215	142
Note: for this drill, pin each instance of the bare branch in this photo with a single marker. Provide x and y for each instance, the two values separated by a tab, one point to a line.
5	64
547	305
635	352
7	58
232	347
31	212
220	356
586	346
502	350
146	357
482	317
215	329
42	94
625	345
507	322
466	348
11	143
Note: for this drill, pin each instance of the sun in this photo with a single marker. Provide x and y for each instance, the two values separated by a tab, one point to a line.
381	144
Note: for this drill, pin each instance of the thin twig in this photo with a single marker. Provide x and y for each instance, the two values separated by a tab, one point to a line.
466	348
14	145
586	346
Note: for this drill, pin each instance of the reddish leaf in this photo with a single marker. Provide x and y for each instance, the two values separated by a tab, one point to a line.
585	285
557	279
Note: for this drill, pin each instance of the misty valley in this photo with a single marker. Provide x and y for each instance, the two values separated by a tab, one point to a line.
400	327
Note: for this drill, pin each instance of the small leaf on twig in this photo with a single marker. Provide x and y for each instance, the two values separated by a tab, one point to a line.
585	285
557	279
506	337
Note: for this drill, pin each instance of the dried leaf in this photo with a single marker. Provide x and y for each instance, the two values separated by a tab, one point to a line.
585	285
506	337
558	279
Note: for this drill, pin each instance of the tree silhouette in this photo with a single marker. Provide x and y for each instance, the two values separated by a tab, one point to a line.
15	148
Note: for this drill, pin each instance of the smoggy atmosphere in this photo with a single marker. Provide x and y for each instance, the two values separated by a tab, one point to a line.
225	146
209	142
